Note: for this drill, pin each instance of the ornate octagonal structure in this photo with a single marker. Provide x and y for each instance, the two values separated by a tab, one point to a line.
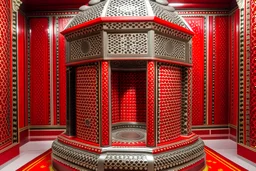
129	90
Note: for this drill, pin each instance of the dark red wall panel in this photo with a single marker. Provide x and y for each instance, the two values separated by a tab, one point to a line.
129	96
39	71
87	110
21	70
62	22
115	107
170	102
132	86
5	76
197	25
220	74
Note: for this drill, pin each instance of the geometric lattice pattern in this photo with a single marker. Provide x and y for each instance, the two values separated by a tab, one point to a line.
5	115
39	71
131	96
163	14
168	47
169	103
88	15
253	76
86	47
129	161
87	110
197	25
105	103
221	71
132	43
127	8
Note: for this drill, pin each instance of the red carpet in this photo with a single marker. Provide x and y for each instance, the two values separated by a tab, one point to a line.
214	161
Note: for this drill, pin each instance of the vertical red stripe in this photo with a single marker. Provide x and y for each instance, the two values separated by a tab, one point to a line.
21	70
105	103
151	104
236	67
245	76
62	70
253	75
210	55
54	71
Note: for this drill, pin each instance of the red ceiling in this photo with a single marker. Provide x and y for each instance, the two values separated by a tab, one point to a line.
56	5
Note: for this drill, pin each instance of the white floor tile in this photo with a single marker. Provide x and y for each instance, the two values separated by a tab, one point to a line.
228	149
28	152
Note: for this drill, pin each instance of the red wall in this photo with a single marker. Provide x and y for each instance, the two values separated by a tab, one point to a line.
5	76
22	64
197	24
128	96
233	71
45	31
39	71
210	68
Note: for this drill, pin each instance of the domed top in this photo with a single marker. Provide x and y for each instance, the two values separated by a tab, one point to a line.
135	8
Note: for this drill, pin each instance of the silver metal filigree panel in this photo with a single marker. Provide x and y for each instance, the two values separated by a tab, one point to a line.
126	162
86	47
127	8
87	15
166	15
128	43
171	48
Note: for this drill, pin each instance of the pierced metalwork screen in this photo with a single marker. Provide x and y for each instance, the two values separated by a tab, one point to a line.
172	17
127	8
170	102
86	47
90	14
132	161
168	47
128	43
87	127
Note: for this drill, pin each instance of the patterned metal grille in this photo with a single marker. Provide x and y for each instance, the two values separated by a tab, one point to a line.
132	43
172	17
126	162
127	8
90	14
85	48
168	47
170	102
128	25
87	127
